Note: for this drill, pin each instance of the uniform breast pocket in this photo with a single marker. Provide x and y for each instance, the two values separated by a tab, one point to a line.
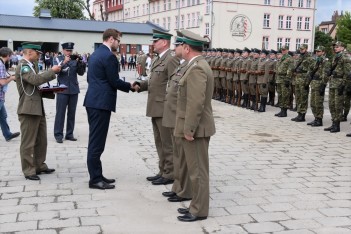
181	89
159	69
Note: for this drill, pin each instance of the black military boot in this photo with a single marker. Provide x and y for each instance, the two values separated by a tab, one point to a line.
253	104
218	96
295	118
312	122
277	114
283	113
336	127
277	105
318	123
330	128
301	118
263	104
271	99
224	94
348	135
243	105
344	117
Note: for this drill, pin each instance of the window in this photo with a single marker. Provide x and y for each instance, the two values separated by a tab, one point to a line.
279	43
300	3
307	23
198	2
265	41
289	3
266	18
168	23
182	21
177	4
164	22
128	48
147	8
281	2
176	22
298	43
188	3
188	21
164	5
169	5
325	30
158	21
308	3
193	2
134	11
299	23
158	6
143	9
153	7
193	20
280	21
208	6
137	10
183	3
207	29
288	22
197	19
287	42
267	2
305	41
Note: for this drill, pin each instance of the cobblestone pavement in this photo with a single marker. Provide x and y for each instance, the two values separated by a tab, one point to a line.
267	175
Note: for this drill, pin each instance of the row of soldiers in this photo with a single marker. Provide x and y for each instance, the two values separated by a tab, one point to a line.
255	75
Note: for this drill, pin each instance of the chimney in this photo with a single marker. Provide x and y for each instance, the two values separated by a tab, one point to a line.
45	13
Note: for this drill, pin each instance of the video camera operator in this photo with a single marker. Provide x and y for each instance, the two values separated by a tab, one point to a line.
71	66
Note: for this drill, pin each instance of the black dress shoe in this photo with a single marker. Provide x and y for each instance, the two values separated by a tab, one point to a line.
183	210
163	181
152	178
169	194
109	181
32	177
13	135
59	141
71	138
190	218
101	185
47	171
178	199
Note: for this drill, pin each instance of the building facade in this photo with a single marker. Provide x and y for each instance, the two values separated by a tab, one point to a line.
330	27
267	24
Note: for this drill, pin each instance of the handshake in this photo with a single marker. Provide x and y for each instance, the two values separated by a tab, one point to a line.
135	86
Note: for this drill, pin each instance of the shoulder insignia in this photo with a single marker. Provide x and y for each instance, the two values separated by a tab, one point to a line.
194	64
25	69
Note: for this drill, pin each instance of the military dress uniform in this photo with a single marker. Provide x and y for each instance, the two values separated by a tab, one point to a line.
194	118
31	115
216	70
68	99
253	79
262	80
272	62
222	75
229	77
244	78
161	70
317	75
338	77
236	77
301	69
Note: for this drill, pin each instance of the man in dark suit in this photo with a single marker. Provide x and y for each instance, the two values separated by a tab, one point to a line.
71	65
100	100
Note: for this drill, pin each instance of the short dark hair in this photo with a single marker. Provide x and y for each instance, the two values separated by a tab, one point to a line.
196	48
111	32
5	51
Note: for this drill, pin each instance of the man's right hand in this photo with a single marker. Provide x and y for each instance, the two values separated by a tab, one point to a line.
287	84
322	89
56	68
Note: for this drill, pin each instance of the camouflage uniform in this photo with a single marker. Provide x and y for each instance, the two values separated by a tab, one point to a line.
283	83
338	78
301	68
317	75
272	62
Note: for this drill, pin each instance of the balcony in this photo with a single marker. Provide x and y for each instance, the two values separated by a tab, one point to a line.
114	8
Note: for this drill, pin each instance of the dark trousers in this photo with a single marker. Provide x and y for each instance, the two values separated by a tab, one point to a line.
63	102
99	121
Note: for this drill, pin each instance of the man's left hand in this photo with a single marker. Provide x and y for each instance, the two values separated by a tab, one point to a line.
188	137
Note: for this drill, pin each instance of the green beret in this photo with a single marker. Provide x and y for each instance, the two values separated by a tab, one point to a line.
193	39
32	45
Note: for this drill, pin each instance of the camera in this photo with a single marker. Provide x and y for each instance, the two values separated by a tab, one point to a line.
75	57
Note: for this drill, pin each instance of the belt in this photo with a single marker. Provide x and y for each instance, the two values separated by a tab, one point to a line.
338	77
301	72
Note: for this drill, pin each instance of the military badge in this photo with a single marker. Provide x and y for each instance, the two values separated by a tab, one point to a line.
25	69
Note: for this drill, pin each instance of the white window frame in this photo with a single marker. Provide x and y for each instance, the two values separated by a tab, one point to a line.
182	21
267	2
287	42
266	20
288	22
299	23
207	29
307	23
280	21
265	42
193	20
298	43
281	2
300	3
308	3
279	43
289	3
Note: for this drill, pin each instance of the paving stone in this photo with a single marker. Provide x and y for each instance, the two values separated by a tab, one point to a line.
38	215
56	206
263	227
77	213
270	216
277	207
16	209
336	211
334	221
300	224
8	218
249	209
37	200
46	231
332	230
304	214
82	230
300	231
17	226
59	223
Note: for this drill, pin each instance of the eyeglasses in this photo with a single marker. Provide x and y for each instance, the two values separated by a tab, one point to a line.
117	39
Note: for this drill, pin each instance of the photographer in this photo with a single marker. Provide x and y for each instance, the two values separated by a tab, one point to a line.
71	65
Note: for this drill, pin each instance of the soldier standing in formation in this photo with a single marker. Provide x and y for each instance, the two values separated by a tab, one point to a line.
236	77
244	77
263	69
253	78
301	69
317	77
338	74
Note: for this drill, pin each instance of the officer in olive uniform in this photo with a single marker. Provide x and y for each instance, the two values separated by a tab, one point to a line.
195	124
271	76
71	66
316	75
229	77
253	78
217	69
181	189
284	81
236	77
301	68
161	70
262	78
30	111
223	74
244	76
338	74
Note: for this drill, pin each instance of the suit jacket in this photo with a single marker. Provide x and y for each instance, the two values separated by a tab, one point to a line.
194	110
68	74
170	106
30	98
161	70
103	80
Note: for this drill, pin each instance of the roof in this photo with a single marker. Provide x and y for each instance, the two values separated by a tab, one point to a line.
327	22
30	22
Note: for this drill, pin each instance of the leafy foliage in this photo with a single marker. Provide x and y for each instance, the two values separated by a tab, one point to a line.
344	28
323	39
66	9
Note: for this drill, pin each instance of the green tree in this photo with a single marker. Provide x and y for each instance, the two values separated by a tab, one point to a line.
67	9
344	28
323	39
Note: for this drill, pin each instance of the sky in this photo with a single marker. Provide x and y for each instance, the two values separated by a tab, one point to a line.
325	8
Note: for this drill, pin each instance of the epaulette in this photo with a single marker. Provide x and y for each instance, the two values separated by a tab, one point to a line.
25	68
